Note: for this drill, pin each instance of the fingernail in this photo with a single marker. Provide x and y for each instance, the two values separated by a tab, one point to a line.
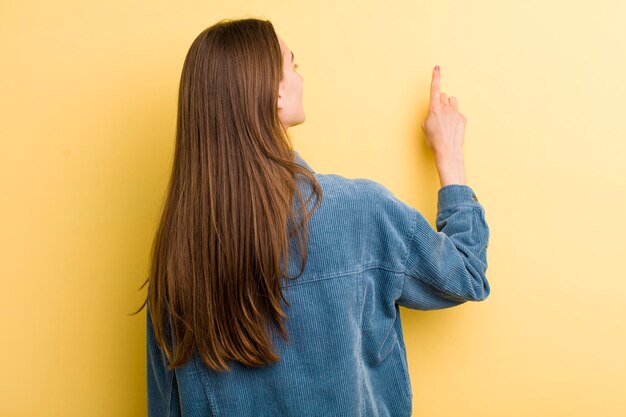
437	68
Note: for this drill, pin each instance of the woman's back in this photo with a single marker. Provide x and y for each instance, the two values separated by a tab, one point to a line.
368	254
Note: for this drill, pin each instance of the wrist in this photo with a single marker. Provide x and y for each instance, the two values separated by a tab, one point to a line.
448	158
451	169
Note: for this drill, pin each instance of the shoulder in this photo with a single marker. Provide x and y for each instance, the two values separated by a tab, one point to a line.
352	189
364	199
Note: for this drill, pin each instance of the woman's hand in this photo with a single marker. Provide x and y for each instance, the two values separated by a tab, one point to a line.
444	125
445	130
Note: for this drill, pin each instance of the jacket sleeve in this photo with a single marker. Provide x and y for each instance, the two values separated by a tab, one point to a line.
161	381
444	267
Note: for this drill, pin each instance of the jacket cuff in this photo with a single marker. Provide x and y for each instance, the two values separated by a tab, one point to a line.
456	194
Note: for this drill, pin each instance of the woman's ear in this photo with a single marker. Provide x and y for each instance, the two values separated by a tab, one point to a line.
279	101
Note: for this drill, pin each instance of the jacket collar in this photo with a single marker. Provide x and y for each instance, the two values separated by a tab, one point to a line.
302	162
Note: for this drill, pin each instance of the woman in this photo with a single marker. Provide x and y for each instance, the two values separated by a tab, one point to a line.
275	290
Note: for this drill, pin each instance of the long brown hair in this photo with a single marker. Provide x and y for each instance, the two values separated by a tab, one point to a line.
229	212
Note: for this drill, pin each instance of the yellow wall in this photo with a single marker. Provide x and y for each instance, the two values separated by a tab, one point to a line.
88	104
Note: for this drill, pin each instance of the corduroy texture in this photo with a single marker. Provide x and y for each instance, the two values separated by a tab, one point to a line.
369	253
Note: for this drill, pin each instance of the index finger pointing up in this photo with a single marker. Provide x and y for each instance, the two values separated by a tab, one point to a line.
435	87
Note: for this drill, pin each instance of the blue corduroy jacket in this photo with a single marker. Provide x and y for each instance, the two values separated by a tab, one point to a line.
369	253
